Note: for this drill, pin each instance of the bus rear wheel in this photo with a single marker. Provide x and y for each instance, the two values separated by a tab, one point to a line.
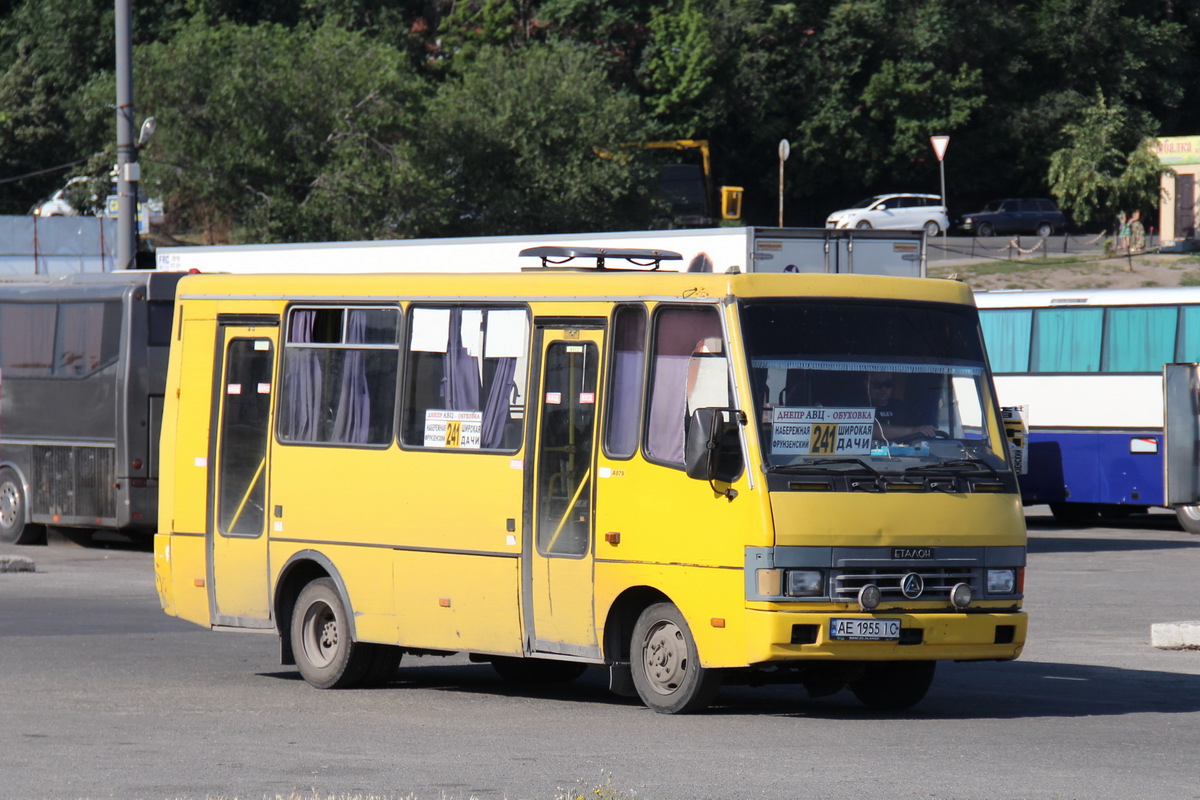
325	654
666	664
1189	518
894	685
13	528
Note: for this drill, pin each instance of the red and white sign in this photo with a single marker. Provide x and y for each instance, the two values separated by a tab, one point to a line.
939	145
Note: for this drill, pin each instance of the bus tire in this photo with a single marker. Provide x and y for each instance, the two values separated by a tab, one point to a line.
893	685
13	528
325	654
385	660
1189	517
537	670
666	664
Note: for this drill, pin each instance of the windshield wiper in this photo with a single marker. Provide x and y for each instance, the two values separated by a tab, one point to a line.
955	462
822	464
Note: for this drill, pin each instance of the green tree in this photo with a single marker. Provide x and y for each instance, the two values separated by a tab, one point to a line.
509	145
679	68
883	77
274	134
1106	167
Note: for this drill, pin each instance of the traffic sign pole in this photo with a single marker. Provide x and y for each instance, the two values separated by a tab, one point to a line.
939	149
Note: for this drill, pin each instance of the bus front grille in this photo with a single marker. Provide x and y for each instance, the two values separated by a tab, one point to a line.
73	483
936	582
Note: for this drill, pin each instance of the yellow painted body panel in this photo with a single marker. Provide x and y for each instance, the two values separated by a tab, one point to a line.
879	519
180	566
458	602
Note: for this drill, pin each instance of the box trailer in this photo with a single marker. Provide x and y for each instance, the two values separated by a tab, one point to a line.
746	249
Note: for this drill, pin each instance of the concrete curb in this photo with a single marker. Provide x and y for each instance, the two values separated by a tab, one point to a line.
16	564
1175	635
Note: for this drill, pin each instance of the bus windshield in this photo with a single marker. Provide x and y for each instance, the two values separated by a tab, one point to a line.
869	385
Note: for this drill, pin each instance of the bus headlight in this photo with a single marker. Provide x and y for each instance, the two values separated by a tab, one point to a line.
1001	581
805	583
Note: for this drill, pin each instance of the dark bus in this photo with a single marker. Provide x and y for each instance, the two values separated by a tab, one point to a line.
83	362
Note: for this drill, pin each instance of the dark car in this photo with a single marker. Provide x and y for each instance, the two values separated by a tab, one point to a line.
1039	217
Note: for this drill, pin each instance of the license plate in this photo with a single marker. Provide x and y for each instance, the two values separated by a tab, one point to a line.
865	629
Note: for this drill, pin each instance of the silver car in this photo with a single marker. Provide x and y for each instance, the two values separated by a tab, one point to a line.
911	212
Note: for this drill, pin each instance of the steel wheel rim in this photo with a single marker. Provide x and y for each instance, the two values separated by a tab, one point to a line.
665	657
1191	511
320	635
9	502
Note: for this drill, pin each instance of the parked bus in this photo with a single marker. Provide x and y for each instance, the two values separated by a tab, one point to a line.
1087	367
684	478
83	361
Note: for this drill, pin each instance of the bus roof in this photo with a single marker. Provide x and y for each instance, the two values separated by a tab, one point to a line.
559	285
1152	295
157	285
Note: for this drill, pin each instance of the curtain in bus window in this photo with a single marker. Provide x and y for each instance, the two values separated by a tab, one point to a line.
1188	348
460	384
1139	339
505	342
1067	339
678	334
1006	332
625	394
26	339
302	381
353	419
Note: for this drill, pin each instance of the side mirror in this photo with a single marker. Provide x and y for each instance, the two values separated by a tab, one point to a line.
702	447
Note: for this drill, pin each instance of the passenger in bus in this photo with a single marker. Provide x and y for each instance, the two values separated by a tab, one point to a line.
891	417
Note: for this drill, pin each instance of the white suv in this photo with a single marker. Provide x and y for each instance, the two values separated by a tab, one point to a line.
912	212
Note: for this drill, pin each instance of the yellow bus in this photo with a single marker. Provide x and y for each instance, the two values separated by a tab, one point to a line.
683	478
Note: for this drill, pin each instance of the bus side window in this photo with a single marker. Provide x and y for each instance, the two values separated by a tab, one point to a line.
27	339
466	377
88	337
677	332
339	376
626	381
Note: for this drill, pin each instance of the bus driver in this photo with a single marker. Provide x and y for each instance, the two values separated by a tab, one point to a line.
889	412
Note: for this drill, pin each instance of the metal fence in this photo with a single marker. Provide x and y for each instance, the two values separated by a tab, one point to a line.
57	245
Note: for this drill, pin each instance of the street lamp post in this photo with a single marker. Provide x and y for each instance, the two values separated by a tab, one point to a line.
785	150
128	173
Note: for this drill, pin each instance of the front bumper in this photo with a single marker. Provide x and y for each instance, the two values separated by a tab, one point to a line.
968	636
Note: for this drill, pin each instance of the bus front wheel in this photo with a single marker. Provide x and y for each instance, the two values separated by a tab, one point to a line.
1189	517
893	686
325	654
13	528
666	664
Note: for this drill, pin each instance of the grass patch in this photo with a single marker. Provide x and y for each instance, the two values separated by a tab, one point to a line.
1021	267
1190	279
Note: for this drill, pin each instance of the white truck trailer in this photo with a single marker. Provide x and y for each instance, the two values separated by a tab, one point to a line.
868	252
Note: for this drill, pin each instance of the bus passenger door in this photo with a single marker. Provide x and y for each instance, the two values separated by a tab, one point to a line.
560	492
237	492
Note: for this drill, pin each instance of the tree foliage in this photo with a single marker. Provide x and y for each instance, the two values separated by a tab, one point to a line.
510	145
1101	172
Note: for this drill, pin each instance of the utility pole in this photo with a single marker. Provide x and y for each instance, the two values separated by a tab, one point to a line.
128	173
